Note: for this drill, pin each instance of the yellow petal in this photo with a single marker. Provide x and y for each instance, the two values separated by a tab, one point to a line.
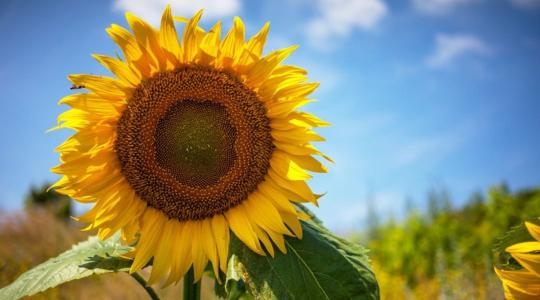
533	293
80	186
130	231
210	45
182	251
80	163
534	230
280	201
103	86
76	119
287	168
190	42
180	19
288	123
296	149
278	239
256	43
254	47
241	226
233	42
127	210
522	276
119	68
531	262
306	149
303	216
287	69
99	137
220	229
197	248
209	245
524	247
298	188
294	224
263	213
296	90
261	70
151	230
309	163
148	38
310	119
93	103
296	136
523	282
133	53
264	239
94	185
168	37
283	108
274	83
162	258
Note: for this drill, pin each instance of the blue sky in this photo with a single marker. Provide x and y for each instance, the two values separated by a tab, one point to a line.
421	93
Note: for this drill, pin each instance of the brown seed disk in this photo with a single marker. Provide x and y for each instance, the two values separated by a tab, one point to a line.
194	142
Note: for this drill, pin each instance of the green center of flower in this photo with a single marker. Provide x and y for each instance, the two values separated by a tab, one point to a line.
195	141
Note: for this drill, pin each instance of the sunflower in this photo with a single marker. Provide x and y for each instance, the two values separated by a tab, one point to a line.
525	283
189	140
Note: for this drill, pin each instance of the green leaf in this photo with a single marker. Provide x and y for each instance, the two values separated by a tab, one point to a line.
84	259
234	287
320	266
516	234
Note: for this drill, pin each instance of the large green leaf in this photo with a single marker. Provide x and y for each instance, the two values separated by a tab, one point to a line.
320	266
84	259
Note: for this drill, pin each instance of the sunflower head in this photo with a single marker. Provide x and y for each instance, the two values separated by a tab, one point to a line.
192	138
523	283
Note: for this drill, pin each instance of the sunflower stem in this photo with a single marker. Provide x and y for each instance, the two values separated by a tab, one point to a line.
192	290
146	287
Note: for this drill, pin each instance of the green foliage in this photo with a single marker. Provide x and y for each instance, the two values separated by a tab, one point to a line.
451	242
84	259
319	266
43	197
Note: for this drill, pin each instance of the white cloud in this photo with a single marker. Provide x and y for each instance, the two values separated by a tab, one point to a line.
449	48
341	17
151	10
438	7
526	4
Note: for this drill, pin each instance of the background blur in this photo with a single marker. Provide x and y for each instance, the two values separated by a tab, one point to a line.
435	106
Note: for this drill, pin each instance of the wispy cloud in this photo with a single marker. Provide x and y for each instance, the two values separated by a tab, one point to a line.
341	17
384	203
151	10
526	4
439	7
435	148
449	48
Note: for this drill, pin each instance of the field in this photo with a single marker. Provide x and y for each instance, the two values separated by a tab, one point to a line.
444	253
